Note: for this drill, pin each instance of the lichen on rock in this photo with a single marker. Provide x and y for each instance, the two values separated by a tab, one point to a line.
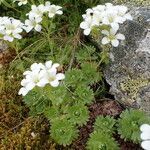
132	86
128	74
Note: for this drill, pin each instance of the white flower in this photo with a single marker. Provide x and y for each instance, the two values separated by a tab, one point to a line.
109	6
31	80
34	66
48	65
21	2
145	136
50	76
40	75
53	10
111	18
107	15
37	11
100	8
47	5
122	13
112	37
36	15
94	14
23	91
33	23
91	18
12	29
87	26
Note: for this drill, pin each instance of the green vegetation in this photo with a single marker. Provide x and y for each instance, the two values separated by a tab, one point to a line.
57	112
129	124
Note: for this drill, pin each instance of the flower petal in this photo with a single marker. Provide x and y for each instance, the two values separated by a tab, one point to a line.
8	38
60	76
84	25
145	136
145	145
34	66
24	82
55	65
59	12
115	26
105	40
115	43
145	128
30	86
26	73
23	91
128	16
42	82
120	36
48	64
52	71
51	15
54	83
105	32
38	28
87	31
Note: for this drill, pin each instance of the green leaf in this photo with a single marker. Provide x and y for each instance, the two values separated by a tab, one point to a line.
36	101
91	74
63	132
101	141
86	54
84	94
105	124
78	114
52	113
73	77
57	95
129	124
104	57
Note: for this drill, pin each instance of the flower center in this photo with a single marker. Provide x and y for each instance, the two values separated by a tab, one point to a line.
10	27
111	19
53	10
111	37
51	78
36	79
34	23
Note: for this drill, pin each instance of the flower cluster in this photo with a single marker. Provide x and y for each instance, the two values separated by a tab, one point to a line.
108	16
21	2
40	75
145	136
10	28
36	15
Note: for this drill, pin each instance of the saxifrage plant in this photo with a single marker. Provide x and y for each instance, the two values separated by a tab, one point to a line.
64	104
129	124
102	136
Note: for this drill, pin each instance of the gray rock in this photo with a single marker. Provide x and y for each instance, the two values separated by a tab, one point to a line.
128	74
133	2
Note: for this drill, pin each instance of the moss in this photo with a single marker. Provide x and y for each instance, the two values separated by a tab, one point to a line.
29	136
132	86
17	131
